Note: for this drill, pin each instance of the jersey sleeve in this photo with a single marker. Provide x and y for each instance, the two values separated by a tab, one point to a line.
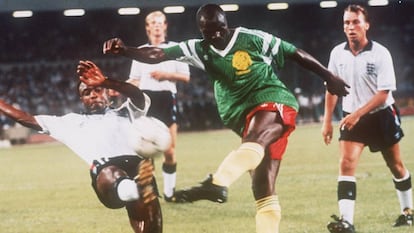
187	52
58	127
331	63
134	111
386	75
281	50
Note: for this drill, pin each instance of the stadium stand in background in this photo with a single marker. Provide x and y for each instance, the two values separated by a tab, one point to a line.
39	56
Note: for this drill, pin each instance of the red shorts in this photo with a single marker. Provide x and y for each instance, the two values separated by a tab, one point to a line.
288	115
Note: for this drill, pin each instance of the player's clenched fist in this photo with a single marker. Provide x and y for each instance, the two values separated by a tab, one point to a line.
113	46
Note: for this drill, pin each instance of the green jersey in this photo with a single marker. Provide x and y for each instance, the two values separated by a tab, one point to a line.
242	73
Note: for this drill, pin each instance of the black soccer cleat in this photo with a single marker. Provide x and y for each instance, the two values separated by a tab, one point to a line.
206	191
405	219
340	226
172	198
169	199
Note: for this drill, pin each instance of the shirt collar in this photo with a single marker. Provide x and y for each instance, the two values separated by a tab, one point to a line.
366	48
165	42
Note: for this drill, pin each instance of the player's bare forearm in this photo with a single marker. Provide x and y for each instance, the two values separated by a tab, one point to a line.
19	116
376	101
327	128
309	62
334	84
127	89
330	104
151	55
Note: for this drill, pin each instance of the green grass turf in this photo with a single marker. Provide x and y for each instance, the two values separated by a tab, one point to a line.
46	188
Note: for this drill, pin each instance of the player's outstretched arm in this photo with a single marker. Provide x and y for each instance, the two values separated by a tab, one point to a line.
150	55
327	128
19	116
90	74
334	84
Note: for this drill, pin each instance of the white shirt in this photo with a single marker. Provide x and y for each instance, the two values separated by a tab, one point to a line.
368	72
94	136
142	72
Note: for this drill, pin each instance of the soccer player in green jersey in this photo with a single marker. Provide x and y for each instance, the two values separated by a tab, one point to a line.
251	100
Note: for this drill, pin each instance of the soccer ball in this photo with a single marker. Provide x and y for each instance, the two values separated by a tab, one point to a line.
149	137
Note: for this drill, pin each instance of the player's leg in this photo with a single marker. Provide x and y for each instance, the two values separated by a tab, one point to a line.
145	213
388	143
263	126
113	187
169	166
164	107
268	209
346	190
346	187
402	184
263	129
145	217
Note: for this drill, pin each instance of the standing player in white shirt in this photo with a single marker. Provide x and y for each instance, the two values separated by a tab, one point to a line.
158	81
370	117
119	176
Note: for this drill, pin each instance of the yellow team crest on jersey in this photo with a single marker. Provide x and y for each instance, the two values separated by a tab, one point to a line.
241	62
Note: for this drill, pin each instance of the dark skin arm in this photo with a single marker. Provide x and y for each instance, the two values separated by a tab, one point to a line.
19	116
150	55
153	55
334	84
91	75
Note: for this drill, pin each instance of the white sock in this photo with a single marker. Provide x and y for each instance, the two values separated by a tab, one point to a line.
127	190
169	183
347	209
405	197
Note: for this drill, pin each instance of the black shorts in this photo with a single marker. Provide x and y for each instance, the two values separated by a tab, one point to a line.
378	130
128	163
163	106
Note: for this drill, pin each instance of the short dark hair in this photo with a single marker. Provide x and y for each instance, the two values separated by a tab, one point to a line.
209	11
358	9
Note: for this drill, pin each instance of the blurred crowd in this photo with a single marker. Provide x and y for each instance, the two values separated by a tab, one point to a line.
39	56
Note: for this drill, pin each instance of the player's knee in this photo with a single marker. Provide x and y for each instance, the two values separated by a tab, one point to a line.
106	190
110	200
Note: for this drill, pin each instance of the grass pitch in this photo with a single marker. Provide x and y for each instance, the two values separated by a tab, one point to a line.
46	188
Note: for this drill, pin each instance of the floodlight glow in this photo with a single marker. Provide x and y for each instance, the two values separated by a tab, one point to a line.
378	2
328	4
22	14
129	11
174	9
277	6
74	12
230	7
